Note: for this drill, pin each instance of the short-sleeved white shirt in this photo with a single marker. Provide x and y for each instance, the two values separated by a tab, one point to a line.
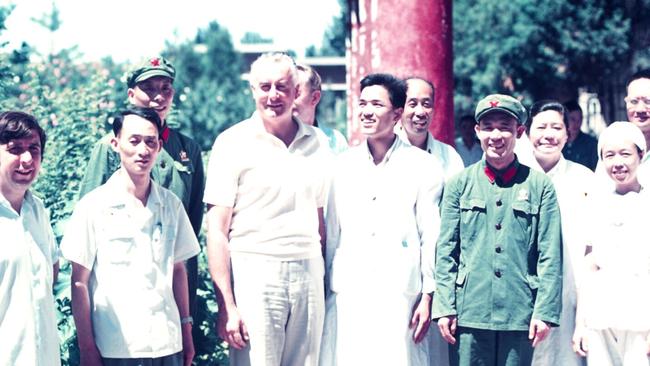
274	190
451	162
131	251
27	254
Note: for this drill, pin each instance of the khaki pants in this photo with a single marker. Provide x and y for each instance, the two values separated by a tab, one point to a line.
608	347
282	305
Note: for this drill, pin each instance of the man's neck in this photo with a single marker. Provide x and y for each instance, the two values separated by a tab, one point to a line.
379	146
137	185
284	129
419	140
502	163
15	197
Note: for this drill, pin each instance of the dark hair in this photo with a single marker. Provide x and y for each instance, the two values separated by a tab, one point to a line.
641	74
17	125
433	89
396	87
466	117
149	114
543	106
572	106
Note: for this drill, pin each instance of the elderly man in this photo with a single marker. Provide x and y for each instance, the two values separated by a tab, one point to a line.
179	167
382	226
29	257
415	122
309	94
499	255
265	193
127	241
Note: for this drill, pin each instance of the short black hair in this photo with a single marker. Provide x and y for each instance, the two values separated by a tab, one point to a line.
17	125
467	117
396	87
149	114
641	74
546	105
572	106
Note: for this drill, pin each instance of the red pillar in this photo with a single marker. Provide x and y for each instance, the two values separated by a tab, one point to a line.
404	38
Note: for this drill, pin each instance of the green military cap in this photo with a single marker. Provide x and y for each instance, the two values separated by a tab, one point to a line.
503	103
155	66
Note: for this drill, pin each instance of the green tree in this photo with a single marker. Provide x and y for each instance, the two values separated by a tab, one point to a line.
534	49
210	93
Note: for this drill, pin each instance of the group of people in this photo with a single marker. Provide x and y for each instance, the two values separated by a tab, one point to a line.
326	255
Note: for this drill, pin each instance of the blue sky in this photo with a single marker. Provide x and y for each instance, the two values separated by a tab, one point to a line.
131	29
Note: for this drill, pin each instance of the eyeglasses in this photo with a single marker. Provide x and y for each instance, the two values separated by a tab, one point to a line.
636	101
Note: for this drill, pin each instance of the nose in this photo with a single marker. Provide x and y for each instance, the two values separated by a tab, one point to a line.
26	157
143	149
273	92
419	109
495	134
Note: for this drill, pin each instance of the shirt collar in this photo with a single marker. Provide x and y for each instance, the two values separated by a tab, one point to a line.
303	129
119	197
28	200
389	153
504	176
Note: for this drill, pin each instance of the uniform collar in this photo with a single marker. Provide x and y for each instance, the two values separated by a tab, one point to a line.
504	176
165	133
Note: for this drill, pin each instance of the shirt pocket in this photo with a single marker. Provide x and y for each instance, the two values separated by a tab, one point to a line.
117	248
472	212
524	213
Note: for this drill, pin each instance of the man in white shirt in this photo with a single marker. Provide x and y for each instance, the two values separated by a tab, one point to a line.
29	258
415	122
382	227
128	241
265	192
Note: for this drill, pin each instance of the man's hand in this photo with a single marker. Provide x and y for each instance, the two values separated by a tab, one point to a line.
447	326
538	331
90	357
420	319
231	328
188	344
580	342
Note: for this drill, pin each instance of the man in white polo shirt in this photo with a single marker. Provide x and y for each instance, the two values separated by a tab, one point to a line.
265	195
29	257
128	240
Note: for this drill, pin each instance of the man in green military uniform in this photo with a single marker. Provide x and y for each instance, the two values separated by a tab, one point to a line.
179	167
499	253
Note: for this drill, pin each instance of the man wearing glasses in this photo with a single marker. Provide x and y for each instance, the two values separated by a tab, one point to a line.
637	104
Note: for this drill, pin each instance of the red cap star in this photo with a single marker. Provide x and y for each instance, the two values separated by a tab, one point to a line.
155	62
494	103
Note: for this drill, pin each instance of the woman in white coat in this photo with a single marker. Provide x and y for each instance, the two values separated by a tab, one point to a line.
613	323
548	134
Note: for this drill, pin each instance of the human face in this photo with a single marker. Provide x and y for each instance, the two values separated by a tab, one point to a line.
138	145
274	90
377	116
573	127
418	110
156	92
548	134
498	133
621	159
20	162
304	106
637	103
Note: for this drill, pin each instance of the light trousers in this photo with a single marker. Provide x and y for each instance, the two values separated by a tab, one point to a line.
609	347
282	305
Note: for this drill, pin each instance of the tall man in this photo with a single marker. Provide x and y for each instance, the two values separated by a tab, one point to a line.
382	226
416	119
28	257
127	241
309	93
498	258
179	167
265	199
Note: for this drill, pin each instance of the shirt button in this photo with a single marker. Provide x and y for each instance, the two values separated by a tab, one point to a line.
374	198
499	203
498	249
497	226
497	273
162	164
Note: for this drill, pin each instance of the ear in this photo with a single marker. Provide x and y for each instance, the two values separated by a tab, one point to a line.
160	143
114	144
315	97
297	91
520	130
130	93
477	129
398	114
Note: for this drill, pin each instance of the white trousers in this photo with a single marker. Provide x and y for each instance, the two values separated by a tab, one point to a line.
282	305
608	347
374	330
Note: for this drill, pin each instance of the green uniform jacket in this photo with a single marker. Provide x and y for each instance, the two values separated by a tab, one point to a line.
179	168
499	253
